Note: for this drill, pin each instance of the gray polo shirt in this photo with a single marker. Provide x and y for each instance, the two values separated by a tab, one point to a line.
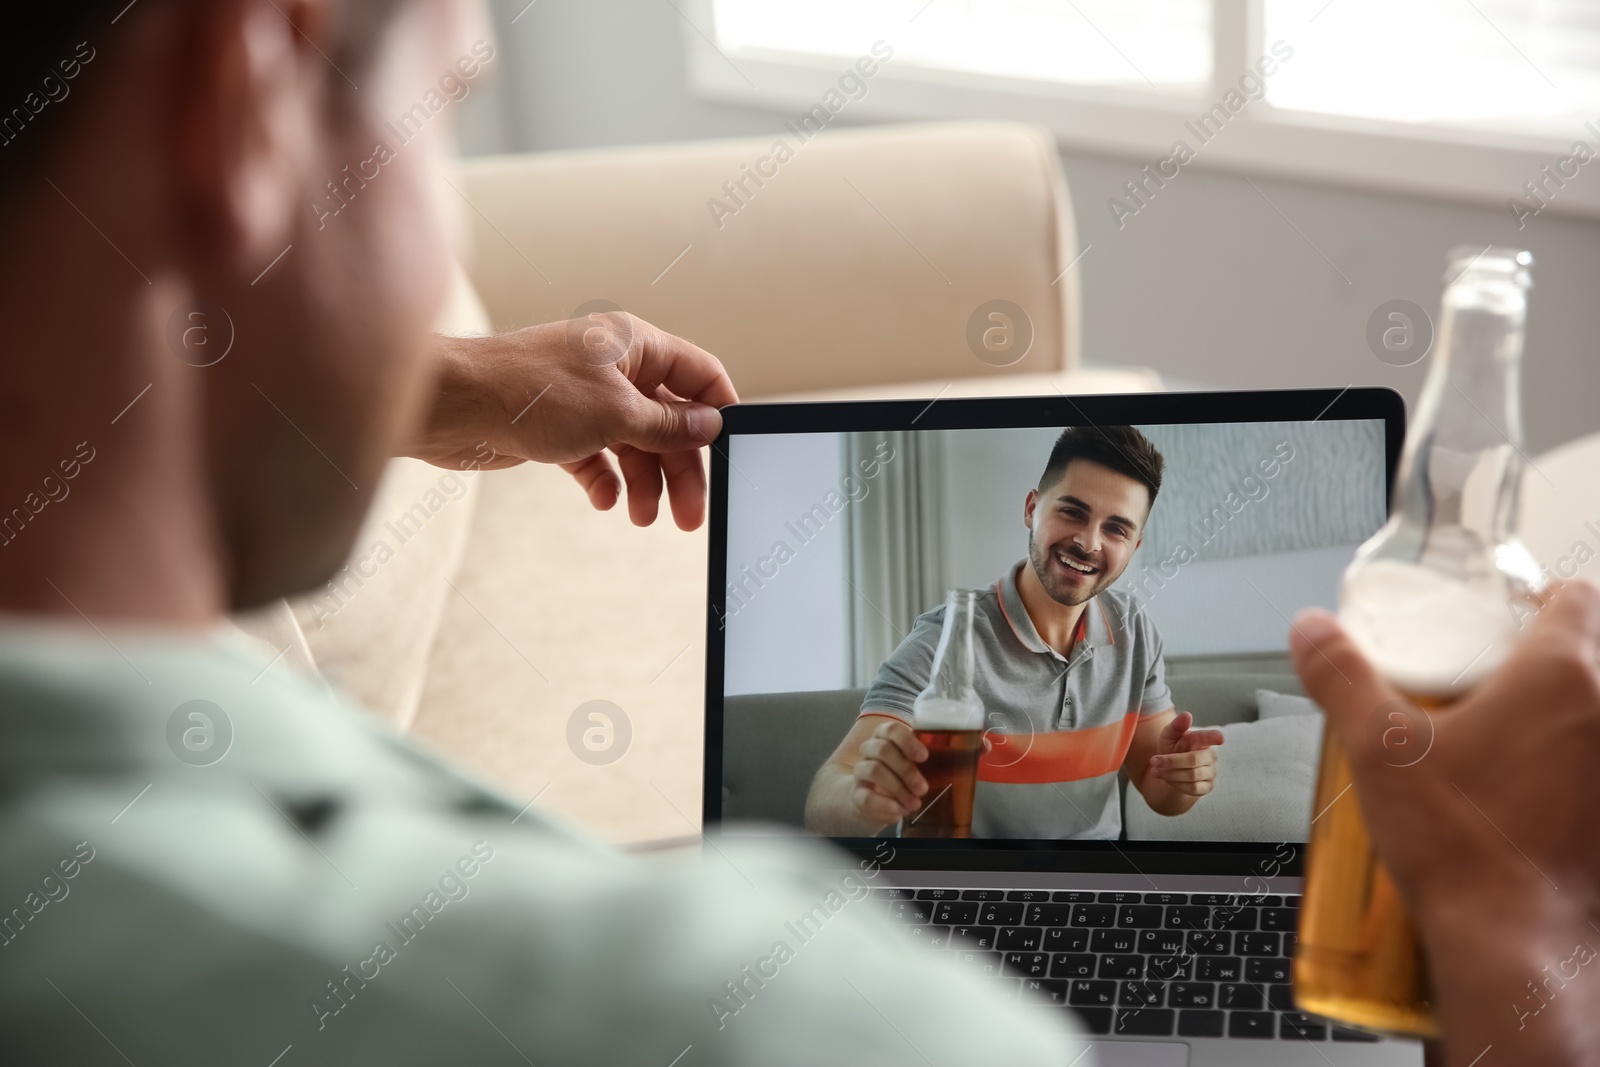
1059	726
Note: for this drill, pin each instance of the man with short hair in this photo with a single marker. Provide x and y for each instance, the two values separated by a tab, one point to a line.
202	861
1069	671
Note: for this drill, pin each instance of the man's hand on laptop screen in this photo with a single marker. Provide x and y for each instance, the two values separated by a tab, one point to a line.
1486	835
565	392
1179	767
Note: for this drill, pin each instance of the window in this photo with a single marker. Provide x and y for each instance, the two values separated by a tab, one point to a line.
1476	99
1506	64
1157	43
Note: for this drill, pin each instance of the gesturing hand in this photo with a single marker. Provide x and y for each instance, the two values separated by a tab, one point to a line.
565	392
1184	758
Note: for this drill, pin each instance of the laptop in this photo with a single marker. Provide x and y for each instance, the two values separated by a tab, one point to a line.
1166	923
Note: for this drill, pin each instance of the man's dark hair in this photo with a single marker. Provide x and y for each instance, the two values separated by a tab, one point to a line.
41	45
1120	448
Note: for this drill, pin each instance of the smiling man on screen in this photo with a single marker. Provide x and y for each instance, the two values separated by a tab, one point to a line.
1070	673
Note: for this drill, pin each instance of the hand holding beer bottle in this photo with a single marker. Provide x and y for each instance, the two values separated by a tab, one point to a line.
1488	837
1434	600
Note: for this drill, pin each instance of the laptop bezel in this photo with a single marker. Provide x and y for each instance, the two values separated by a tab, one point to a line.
1234	406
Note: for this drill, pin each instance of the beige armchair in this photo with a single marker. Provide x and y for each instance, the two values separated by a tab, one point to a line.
851	272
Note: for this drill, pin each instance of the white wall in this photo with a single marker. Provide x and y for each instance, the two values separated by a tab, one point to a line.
1209	283
786	629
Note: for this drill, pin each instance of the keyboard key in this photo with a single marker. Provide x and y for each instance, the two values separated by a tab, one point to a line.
1119	941
1027	964
1072	896
1213	942
1238	995
1021	938
986	962
1257	969
1048	914
1161	942
1234	918
911	911
1191	994
1211	900
983	894
1188	917
1308	1027
938	894
1200	1023
1271	900
1095	1020
1250	1024
1065	939
1341	1034
973	937
1141	994
1169	968
893	892
1025	896
955	913
1219	969
994	913
1166	898
1045	990
932	936
1291	900
1248	944
1072	965
1139	916
1118	898
1121	967
1091	994
1290	939
1280	998
1152	1022
1093	915
1280	918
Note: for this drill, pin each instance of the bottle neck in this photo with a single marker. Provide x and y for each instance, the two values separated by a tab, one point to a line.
1460	476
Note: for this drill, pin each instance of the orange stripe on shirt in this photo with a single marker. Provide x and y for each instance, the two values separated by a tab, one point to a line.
1057	756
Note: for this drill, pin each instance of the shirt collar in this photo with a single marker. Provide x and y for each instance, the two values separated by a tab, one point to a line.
1094	627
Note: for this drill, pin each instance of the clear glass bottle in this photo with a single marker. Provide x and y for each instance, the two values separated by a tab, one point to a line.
948	719
1435	599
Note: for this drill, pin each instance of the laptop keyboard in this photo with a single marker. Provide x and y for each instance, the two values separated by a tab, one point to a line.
1135	964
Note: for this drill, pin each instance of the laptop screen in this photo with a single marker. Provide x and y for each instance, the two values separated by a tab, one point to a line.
1062	591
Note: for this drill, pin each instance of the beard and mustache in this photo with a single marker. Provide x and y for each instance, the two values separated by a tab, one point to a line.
1043	561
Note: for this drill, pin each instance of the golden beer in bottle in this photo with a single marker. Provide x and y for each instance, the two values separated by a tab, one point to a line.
1435	599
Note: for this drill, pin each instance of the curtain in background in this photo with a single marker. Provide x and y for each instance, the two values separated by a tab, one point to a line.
894	544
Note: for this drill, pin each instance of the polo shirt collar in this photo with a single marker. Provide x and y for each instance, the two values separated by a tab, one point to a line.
1095	626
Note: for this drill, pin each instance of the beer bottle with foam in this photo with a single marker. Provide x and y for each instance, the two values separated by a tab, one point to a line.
948	719
1435	599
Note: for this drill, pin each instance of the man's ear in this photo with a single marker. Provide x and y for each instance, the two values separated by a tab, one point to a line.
1029	503
250	111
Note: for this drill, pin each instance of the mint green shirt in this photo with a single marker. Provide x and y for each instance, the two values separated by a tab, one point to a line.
303	887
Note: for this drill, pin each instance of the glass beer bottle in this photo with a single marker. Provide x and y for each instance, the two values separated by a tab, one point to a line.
947	717
1435	599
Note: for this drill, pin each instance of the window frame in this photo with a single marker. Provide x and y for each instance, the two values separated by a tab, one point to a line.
1437	161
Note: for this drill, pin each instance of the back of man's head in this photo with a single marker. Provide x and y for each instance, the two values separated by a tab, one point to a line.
218	265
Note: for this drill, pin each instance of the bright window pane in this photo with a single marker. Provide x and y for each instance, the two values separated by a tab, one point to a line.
1165	43
1526	65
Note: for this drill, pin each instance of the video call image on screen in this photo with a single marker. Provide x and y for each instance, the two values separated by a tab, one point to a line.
842	551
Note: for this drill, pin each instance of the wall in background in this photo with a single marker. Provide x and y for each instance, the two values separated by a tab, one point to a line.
1218	281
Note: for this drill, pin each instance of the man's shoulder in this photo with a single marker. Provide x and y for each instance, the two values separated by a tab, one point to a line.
1126	616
